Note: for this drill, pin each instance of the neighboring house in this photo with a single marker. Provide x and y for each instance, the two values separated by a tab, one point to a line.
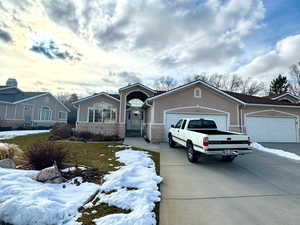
19	108
263	118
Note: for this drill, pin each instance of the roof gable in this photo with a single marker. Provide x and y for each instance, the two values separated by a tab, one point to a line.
177	89
137	85
115	97
286	94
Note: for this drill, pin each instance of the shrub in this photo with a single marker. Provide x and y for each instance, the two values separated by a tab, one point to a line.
63	130
54	138
84	135
10	151
43	154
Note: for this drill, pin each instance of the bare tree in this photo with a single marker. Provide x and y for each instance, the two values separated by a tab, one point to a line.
165	83
295	75
235	83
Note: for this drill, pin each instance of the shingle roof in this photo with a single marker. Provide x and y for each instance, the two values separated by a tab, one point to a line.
19	96
117	96
258	100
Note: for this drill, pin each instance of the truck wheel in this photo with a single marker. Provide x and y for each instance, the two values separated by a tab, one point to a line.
192	155
171	142
228	158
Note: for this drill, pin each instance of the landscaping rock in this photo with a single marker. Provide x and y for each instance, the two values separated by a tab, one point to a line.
7	163
50	175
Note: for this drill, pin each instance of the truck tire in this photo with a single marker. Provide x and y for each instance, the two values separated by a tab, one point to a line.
192	155
171	142
228	158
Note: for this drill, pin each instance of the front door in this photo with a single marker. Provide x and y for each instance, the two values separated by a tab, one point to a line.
134	123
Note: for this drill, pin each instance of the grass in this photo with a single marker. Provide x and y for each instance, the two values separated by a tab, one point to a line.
96	155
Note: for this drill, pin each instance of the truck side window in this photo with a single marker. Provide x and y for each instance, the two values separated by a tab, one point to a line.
183	124
178	124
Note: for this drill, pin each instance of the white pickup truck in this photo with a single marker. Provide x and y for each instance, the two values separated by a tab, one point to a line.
201	136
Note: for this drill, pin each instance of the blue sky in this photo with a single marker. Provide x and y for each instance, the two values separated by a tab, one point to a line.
92	46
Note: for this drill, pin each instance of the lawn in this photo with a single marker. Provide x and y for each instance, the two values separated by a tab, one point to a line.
97	155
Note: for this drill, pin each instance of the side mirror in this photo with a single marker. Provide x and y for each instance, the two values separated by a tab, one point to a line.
172	126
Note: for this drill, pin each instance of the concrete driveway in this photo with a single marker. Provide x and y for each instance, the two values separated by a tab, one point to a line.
259	188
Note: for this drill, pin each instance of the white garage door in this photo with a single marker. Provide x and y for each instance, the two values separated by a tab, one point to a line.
271	129
172	119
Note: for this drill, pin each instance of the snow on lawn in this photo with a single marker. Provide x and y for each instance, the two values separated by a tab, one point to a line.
24	201
275	151
15	133
138	173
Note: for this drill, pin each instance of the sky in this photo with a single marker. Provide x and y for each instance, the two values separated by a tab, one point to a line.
83	47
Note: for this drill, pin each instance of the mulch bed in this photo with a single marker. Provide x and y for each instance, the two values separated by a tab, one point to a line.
91	175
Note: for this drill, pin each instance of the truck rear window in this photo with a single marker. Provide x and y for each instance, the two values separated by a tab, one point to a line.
202	124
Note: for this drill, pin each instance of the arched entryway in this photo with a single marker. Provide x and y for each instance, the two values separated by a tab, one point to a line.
135	113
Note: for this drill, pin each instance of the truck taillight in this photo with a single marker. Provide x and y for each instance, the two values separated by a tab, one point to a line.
205	141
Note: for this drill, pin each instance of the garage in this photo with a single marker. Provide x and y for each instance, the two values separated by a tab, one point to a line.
271	129
172	119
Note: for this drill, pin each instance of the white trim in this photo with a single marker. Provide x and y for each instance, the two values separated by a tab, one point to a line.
279	106
78	113
51	114
94	96
193	83
137	84
294	96
6	111
272	110
10	87
27	99
200	92
201	107
5	102
125	103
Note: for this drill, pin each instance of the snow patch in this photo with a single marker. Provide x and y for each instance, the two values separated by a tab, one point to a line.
24	201
138	173
278	152
120	146
15	133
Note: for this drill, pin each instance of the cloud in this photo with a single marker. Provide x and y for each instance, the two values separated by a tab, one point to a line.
122	78
172	33
278	60
5	36
45	45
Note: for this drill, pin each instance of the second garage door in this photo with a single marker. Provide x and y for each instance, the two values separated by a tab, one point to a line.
172	118
271	129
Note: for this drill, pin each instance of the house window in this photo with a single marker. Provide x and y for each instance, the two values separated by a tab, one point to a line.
62	115
102	113
197	93
45	113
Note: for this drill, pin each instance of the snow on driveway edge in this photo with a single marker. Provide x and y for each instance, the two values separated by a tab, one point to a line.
278	152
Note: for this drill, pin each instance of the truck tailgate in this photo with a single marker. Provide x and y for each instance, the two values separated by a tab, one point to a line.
216	142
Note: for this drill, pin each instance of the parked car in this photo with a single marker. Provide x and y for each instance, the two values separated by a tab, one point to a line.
201	136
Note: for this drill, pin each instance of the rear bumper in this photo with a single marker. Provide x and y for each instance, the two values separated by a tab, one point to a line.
226	152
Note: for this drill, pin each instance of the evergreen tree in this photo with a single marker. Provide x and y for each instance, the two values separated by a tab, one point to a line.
279	85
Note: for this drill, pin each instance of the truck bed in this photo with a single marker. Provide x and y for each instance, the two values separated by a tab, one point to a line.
214	132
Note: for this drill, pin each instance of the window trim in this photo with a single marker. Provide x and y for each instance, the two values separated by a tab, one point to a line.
50	111
200	92
93	109
66	115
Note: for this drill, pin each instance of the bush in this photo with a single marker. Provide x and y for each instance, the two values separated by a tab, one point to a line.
54	138
10	151
84	135
63	130
43	154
